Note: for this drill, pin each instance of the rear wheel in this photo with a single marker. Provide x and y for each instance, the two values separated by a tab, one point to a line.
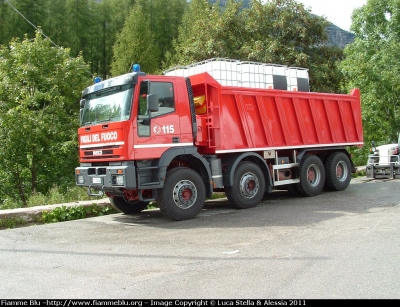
312	176
248	186
120	204
183	195
338	171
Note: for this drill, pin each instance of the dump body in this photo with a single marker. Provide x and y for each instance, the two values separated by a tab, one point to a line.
235	119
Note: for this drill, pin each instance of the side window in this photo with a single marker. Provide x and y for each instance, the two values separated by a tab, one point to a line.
166	103
142	105
166	100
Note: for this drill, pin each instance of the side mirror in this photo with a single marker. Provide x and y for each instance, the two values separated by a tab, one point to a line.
152	102
82	103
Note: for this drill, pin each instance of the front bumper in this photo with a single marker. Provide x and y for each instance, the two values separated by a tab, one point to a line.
106	178
383	171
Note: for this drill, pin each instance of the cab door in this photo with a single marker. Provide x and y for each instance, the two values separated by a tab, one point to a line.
161	130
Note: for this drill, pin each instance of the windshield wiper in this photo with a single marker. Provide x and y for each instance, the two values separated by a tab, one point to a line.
103	121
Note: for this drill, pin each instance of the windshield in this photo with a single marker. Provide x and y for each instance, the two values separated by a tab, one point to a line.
108	105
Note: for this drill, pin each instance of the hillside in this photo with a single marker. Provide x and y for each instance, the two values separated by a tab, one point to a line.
339	37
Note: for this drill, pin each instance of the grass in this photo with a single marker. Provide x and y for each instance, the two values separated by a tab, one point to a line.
59	214
359	174
54	196
11	222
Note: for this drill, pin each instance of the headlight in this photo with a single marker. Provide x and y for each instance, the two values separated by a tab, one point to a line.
118	180
80	179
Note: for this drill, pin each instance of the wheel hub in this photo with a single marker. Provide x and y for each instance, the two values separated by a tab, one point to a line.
249	185
185	194
313	175
341	171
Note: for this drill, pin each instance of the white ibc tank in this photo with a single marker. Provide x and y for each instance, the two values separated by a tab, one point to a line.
298	79
230	72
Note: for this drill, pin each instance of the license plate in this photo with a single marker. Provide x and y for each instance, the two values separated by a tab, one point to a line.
97	180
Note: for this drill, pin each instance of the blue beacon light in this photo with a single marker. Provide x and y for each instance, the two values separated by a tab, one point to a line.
136	68
97	80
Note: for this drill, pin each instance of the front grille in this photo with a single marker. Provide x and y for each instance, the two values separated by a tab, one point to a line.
100	157
101	152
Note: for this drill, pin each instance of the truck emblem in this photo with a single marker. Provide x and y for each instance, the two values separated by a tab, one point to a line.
157	129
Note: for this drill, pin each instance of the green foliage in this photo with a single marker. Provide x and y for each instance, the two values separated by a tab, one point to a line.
325	75
218	195
37	199
372	65
11	222
135	44
359	155
38	116
10	203
259	33
61	214
56	195
361	173
269	39
207	32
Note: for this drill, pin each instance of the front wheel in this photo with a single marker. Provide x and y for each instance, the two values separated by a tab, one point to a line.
312	176
183	195
126	207
248	186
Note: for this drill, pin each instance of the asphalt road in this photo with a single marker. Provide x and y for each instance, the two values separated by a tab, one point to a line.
341	245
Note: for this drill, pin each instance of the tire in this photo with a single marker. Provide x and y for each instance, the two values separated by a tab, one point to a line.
312	176
338	171
183	195
248	186
120	204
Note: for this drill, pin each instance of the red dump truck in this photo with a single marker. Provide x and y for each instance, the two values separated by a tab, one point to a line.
177	140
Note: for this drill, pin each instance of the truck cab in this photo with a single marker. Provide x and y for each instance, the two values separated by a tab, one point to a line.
384	161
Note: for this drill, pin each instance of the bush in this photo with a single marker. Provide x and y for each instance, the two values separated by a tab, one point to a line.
56	195
11	222
37	199
10	204
61	214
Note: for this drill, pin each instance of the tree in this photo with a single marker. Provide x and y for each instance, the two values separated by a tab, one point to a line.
196	21
209	31
325	75
135	44
5	21
282	32
54	23
260	33
165	21
372	65
78	26
40	87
